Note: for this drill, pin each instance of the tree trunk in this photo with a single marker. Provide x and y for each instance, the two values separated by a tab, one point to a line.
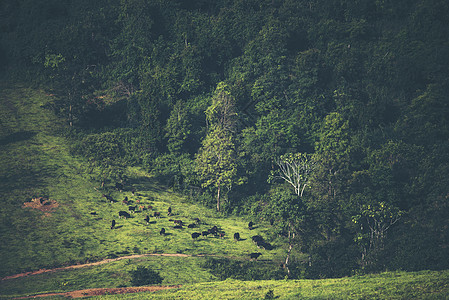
290	247
70	116
218	198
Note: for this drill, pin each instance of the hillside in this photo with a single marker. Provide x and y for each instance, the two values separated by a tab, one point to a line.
36	163
323	122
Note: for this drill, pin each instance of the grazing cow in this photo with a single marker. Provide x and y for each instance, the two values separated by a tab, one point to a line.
142	207
213	230
132	209
204	233
123	214
125	201
157	214
109	198
169	211
237	236
195	235
250	225
113	224
177	227
150	207
255	255
257	238
119	186
191	226
264	245
94	213
162	232
147	219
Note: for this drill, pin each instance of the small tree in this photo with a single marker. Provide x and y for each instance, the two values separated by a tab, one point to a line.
216	160
374	221
295	169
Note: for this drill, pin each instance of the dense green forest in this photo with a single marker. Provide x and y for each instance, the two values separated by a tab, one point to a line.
328	119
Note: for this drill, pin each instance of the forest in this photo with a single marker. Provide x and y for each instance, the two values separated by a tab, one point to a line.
328	119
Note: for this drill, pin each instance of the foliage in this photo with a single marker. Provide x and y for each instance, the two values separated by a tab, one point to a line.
144	276
210	96
224	268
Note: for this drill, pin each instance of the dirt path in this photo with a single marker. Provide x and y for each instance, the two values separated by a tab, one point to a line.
101	291
92	264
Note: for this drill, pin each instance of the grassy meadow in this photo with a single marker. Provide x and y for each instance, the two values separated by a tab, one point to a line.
390	285
35	162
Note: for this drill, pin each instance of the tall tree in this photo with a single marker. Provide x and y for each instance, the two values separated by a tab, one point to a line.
216	159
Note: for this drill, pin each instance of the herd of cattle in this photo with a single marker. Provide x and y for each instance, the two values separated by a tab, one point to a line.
179	224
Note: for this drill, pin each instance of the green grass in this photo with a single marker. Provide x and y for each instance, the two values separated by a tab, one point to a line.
35	161
390	285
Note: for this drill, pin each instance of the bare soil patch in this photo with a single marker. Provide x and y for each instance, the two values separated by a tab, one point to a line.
104	291
43	204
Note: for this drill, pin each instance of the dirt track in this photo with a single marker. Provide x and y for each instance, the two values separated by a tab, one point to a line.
97	292
91	264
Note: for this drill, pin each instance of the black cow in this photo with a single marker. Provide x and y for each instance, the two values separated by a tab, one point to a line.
132	209
237	236
119	186
123	214
204	233
213	230
125	201
255	255
191	226
195	235
250	225
147	219
197	221
162	232
179	222
264	245
169	211
157	214
109	198
257	238
177	227
113	224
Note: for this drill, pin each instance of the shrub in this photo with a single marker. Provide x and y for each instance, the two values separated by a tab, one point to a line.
224	268
144	276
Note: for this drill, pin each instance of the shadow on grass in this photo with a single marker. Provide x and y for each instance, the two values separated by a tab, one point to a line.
17	137
20	179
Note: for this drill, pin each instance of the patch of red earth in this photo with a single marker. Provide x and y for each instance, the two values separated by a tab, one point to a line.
43	204
104	291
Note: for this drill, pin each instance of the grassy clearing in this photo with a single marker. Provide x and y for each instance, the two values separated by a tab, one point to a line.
35	161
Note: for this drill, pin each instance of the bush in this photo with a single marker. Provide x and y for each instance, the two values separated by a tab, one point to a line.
224	268
144	276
